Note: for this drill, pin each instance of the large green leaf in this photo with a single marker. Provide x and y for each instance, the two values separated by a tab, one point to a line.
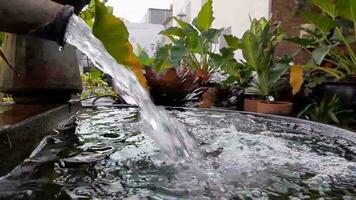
328	6
229	64
347	10
173	32
319	54
233	41
278	71
205	17
213	35
112	32
143	57
178	51
322	22
250	50
184	25
162	58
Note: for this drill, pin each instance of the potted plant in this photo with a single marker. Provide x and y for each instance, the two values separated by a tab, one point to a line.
186	63
331	43
239	76
258	46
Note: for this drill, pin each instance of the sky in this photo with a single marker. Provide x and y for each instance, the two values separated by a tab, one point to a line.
134	10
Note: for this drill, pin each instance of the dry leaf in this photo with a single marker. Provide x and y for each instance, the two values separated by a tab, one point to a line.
296	79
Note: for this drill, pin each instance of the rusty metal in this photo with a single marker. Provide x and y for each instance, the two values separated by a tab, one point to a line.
45	73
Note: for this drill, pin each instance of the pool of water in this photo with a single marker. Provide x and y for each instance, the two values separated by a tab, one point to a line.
242	157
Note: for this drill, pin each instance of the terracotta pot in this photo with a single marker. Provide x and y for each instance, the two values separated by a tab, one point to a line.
250	105
276	108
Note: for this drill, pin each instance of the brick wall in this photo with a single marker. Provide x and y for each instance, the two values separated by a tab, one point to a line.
283	11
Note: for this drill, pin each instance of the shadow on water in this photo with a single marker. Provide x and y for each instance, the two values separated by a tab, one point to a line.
244	157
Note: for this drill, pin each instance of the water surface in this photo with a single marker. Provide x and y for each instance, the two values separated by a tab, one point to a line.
244	157
168	134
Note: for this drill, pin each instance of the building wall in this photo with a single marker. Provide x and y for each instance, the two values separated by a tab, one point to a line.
234	15
237	13
157	16
146	35
286	13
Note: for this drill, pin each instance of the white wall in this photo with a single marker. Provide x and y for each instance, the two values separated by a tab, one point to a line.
147	35
180	6
228	13
237	13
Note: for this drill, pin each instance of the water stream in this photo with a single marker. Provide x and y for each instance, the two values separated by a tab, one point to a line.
173	139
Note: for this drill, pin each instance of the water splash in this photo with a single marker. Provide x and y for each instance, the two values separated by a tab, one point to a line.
173	139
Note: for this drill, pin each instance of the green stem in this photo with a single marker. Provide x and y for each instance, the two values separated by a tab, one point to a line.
352	53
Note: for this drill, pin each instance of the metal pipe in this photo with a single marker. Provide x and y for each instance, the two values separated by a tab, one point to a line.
41	18
77	4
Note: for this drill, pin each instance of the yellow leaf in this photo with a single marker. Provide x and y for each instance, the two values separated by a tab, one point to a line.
296	79
112	32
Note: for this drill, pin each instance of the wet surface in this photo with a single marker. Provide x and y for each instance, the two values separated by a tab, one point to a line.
11	114
242	157
24	126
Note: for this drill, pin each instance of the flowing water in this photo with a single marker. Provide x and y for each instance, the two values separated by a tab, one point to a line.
171	137
109	156
245	157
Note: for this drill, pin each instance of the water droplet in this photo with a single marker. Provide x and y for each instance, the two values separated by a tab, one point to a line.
60	48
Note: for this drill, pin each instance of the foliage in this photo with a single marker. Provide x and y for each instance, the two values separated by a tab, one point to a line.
258	46
333	36
94	85
6	98
143	57
192	44
2	54
112	32
325	111
175	86
237	71
2	36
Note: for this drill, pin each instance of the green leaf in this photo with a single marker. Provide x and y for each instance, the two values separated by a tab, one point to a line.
328	6
95	74
213	35
303	42
278	71
88	14
333	117
178	51
324	23
205	17
231	80
2	37
250	50
173	32
112	32
347	10
233	41
184	25
162	57
319	54
227	62
143	56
